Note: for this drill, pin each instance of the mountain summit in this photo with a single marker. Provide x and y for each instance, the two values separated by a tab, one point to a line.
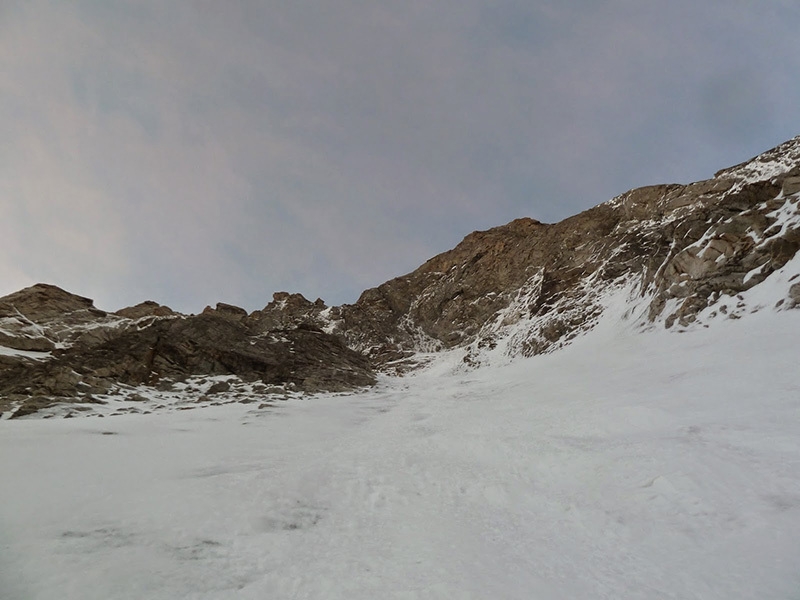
679	256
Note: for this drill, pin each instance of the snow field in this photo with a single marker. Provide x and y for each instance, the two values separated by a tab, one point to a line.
654	465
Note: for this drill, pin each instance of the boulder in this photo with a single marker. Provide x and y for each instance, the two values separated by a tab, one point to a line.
794	295
791	185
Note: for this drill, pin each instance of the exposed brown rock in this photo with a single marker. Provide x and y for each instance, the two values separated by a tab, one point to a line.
231	310
791	185
226	310
28	342
288	311
43	317
208	344
42	302
220	386
148	308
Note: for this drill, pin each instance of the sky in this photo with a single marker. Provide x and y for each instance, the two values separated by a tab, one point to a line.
196	152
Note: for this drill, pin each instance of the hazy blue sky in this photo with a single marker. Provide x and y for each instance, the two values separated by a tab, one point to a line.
191	152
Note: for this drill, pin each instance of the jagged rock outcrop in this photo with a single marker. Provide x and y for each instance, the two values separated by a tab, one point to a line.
680	251
287	311
207	344
148	308
82	352
44	317
229	311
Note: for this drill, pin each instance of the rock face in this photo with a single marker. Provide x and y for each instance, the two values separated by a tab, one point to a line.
41	317
683	246
289	310
525	288
81	352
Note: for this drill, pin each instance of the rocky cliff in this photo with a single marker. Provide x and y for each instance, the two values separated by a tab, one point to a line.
684	247
683	254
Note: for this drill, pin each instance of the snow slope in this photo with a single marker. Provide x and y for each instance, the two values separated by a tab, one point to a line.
627	465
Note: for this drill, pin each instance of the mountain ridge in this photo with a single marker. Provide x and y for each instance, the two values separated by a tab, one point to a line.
525	288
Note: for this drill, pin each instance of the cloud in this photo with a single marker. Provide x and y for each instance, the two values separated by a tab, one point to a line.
205	152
